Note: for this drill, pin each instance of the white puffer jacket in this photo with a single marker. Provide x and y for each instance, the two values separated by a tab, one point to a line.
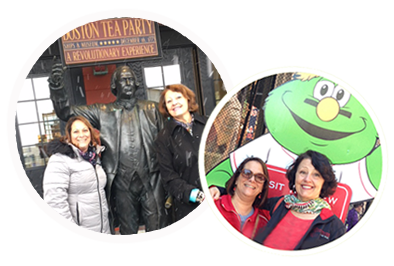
75	189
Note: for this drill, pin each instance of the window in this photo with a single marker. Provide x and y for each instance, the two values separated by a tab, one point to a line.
158	77
36	121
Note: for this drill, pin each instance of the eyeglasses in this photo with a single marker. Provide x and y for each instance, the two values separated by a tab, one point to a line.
246	173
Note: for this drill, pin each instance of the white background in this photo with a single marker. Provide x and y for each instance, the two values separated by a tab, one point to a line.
227	36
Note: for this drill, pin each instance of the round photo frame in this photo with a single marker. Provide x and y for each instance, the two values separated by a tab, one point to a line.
208	163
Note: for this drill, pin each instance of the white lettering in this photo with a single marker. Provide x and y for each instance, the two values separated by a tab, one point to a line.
332	200
277	186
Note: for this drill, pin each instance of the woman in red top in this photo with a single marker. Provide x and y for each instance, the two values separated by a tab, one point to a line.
247	190
303	219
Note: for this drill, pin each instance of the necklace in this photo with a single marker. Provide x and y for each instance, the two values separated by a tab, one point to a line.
312	206
247	212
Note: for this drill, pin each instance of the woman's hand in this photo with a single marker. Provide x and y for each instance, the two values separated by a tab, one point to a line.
215	193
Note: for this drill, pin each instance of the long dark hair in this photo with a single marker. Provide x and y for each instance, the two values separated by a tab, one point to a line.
230	184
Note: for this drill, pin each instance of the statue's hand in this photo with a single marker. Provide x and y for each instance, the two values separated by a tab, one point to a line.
56	78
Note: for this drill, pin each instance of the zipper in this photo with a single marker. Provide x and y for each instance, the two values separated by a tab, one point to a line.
239	219
77	209
247	220
255	226
99	195
241	228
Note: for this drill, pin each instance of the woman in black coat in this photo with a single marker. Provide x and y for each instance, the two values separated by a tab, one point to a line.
177	146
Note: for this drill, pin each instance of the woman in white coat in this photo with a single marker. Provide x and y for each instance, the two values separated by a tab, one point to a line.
74	181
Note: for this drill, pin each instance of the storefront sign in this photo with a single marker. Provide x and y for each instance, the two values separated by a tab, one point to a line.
111	40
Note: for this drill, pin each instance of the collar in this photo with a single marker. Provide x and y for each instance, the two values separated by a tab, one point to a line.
126	104
99	150
172	124
229	207
226	203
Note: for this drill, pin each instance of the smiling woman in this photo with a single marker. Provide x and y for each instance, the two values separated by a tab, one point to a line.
294	217
177	106
313	169
177	148
247	191
80	135
177	89
304	112
74	180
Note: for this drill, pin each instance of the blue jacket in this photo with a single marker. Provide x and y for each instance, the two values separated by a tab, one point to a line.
324	229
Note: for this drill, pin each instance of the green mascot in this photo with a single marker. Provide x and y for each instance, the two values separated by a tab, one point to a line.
313	113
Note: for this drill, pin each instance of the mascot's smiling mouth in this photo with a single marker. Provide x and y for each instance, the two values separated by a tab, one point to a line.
319	132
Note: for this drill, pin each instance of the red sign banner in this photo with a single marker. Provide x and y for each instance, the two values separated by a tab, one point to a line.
110	40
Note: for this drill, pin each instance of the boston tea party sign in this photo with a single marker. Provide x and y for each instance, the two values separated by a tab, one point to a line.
111	40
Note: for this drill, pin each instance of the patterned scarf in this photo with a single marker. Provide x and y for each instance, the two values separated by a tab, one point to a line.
187	126
312	206
90	155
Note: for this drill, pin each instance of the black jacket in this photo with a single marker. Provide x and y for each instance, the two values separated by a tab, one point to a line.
324	229
177	153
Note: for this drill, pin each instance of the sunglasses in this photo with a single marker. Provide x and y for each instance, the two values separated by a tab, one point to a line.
246	173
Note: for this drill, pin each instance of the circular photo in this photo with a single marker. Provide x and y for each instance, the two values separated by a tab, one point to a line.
109	121
292	161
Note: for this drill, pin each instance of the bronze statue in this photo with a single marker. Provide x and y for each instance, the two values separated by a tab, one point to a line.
128	128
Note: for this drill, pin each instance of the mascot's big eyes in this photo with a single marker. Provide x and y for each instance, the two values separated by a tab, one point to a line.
341	96
325	88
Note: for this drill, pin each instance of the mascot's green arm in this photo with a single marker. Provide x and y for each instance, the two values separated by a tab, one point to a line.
374	166
219	175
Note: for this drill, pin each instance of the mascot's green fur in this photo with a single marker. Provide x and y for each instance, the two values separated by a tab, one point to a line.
311	112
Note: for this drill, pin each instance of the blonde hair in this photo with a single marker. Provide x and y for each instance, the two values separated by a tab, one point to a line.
304	76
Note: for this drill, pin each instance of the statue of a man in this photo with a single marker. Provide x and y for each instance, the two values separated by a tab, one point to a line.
128	128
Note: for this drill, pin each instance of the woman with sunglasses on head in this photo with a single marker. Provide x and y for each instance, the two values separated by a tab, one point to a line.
247	191
301	219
